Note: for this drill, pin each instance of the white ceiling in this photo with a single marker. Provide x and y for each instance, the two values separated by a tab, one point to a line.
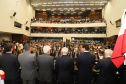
67	6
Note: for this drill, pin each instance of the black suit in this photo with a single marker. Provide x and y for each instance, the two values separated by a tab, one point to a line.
64	68
107	73
10	65
85	62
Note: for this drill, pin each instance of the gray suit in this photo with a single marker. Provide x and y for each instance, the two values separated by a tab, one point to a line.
28	67
46	66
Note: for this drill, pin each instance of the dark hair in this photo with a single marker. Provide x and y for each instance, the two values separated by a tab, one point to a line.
7	47
27	47
86	46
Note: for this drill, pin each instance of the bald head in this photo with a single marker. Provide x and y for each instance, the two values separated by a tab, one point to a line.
46	49
64	50
108	53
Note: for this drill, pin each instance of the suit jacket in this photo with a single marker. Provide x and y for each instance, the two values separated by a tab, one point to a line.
107	73
28	65
64	68
85	62
10	65
45	67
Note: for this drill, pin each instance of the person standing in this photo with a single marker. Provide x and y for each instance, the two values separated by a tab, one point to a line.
85	63
28	66
108	70
10	65
45	66
64	68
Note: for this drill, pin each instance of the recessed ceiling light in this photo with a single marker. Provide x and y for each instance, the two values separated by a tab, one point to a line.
72	10
49	3
55	2
48	9
97	4
88	8
37	9
60	2
65	2
86	4
99	8
57	5
62	5
75	2
52	5
82	8
76	8
91	4
101	4
44	3
81	2
70	2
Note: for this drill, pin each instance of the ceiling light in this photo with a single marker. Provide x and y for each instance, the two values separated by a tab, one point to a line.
62	5
94	8
81	2
82	8
55	2
44	3
49	3
99	8
101	4
39	3
76	8
57	5
91	4
97	4
72	10
75	2
86	4
37	9
52	5
88	8
65	2
48	9
60	2
70	2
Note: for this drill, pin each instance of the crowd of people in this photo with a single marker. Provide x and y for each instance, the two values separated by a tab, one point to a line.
47	61
68	20
70	30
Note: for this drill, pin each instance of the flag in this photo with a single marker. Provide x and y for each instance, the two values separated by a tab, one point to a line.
120	46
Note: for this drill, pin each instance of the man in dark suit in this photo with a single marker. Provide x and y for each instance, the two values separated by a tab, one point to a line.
85	62
108	70
45	66
64	68
28	66
9	64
